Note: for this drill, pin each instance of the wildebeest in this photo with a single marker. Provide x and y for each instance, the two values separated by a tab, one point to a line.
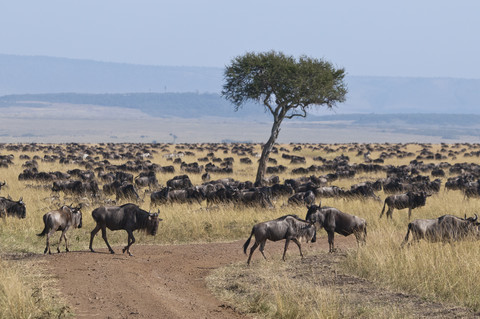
76	187
61	219
179	182
336	221
288	227
302	198
410	200
253	197
445	228
9	207
129	217
2	184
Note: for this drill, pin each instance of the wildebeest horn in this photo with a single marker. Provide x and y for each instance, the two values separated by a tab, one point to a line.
476	217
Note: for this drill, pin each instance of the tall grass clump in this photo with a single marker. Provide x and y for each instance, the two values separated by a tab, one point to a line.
23	294
270	290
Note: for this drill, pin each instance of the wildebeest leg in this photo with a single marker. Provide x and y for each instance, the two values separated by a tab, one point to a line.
251	252
331	236
409	213
92	234
299	245
390	212
47	248
262	248
130	242
104	236
60	240
66	242
287	241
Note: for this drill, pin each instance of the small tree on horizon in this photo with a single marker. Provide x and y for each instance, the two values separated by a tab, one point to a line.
286	87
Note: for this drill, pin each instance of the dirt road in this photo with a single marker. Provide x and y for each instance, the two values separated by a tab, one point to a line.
169	281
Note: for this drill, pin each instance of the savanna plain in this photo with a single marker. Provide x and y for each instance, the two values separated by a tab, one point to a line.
376	280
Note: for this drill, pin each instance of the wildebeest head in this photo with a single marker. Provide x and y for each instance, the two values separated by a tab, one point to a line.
418	199
76	215
311	233
152	223
314	218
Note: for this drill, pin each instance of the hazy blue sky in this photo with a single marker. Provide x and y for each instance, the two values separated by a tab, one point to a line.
429	38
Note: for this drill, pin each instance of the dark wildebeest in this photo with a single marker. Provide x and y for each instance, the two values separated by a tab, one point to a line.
129	217
61	219
179	182
335	221
302	198
446	228
410	200
127	191
10	207
288	227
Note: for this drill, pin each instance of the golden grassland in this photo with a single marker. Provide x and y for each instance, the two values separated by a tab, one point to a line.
439	272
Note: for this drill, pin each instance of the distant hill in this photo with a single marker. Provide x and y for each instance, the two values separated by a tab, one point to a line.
37	74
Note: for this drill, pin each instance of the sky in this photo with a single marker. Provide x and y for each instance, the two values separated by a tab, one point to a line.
408	38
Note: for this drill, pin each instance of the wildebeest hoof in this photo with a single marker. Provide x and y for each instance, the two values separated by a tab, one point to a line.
112	252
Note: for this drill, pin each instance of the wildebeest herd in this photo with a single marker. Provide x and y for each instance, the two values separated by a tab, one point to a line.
406	186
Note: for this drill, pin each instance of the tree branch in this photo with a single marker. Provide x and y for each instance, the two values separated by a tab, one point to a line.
304	114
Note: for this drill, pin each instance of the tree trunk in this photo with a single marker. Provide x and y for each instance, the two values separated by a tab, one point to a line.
267	148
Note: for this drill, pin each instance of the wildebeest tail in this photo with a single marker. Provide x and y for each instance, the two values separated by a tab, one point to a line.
44	231
245	246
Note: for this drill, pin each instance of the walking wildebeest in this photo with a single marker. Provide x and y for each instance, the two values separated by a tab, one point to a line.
408	200
288	227
10	207
445	228
61	219
129	217
335	221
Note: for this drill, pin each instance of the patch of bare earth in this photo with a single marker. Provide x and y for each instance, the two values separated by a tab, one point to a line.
169	281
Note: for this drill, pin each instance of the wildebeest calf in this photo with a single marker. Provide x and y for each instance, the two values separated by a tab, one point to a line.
288	227
61	219
336	221
129	217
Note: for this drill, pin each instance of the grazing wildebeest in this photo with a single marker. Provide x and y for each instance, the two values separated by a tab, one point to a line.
302	198
179	182
10	207
129	217
288	227
61	219
446	228
336	221
410	200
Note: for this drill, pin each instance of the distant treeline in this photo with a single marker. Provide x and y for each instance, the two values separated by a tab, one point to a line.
194	105
443	120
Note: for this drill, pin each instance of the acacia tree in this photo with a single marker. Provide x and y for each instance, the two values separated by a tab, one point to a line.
286	87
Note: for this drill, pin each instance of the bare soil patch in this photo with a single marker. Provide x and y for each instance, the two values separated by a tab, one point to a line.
169	281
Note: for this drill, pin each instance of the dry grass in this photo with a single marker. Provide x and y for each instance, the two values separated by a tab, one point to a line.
275	290
438	272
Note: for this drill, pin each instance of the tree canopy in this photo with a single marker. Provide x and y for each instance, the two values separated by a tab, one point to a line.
287	88
283	83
